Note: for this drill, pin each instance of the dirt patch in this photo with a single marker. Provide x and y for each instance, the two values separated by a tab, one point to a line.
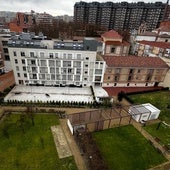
60	142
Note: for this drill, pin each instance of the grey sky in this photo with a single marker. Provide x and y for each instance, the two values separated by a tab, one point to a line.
53	7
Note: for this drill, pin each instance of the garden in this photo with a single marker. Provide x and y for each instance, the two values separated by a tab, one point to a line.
160	99
26	142
125	148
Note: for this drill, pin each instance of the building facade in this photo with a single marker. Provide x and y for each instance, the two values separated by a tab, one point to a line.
2	69
132	71
4	37
113	44
37	61
120	16
152	49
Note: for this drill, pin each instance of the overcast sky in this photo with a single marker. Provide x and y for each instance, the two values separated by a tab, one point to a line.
53	7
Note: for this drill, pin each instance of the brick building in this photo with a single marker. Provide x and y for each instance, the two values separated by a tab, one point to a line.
132	71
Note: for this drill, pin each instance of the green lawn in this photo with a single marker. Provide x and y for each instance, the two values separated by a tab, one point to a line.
160	99
163	132
124	148
24	146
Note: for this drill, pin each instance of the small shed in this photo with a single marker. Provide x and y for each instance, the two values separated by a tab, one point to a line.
144	112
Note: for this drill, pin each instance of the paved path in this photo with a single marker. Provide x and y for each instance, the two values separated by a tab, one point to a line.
73	146
61	143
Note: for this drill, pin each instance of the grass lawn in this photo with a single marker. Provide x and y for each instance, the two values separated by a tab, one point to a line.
124	148
163	133
160	99
24	146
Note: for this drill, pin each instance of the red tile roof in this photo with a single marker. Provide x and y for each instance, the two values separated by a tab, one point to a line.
135	61
147	33
164	28
156	44
117	43
113	91
111	34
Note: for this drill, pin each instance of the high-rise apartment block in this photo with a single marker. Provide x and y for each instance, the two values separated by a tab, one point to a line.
120	16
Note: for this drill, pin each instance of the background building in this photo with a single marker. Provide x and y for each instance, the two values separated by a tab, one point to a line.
121	16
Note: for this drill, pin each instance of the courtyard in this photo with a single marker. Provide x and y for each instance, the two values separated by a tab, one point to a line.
27	146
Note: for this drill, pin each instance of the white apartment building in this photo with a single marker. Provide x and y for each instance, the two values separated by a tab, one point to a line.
38	61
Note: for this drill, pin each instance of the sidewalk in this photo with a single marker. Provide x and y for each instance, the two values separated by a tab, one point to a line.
73	146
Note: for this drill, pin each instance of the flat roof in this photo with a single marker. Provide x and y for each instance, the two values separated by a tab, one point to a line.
150	107
143	108
100	92
44	94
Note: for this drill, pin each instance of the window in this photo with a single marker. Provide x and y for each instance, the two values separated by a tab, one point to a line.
129	78
64	56
51	55
4	43
116	78
78	56
56	55
51	63
150	71
52	76
34	76
98	71
5	50
66	63
43	63
117	70
25	74
7	58
17	68
16	61
131	71
24	68
78	71
86	65
138	70
15	53
22	54
108	77
23	61
97	78
148	78
69	56
77	63
85	78
70	70
113	50
52	70
41	54
115	84
87	58
33	62
18	74
31	54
